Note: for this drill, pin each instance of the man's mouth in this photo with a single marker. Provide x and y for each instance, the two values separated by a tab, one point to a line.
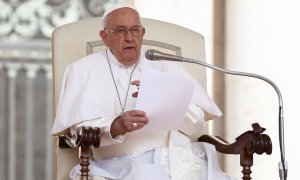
129	47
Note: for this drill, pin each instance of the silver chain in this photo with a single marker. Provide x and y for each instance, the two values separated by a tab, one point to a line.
112	75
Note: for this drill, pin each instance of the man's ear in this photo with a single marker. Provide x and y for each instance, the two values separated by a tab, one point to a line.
103	35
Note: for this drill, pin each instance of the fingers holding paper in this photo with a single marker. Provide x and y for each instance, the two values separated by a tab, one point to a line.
134	120
128	122
137	84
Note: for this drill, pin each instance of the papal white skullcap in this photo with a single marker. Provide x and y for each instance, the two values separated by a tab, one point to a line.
115	7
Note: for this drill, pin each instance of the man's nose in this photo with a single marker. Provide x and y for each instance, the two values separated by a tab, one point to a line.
128	36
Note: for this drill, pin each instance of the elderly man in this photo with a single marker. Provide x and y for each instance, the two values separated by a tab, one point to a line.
98	91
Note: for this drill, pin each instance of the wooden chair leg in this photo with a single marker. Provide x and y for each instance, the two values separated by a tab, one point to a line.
84	162
246	161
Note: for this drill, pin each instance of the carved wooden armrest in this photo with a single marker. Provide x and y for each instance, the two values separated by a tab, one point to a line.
85	139
246	145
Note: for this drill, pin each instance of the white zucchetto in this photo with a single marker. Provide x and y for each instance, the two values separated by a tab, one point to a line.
115	7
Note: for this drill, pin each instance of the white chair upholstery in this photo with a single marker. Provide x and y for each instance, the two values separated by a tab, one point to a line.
73	41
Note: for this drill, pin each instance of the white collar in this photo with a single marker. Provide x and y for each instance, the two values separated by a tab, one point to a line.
114	61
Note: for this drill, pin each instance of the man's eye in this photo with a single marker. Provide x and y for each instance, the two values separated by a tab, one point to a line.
120	30
135	30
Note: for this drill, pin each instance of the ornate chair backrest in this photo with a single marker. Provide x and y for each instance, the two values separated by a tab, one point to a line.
72	41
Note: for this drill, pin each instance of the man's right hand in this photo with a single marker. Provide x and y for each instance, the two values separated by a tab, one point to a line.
128	122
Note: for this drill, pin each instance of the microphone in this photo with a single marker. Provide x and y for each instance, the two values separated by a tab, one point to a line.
155	55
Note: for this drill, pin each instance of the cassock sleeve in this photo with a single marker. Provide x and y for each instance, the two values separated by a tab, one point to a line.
74	111
64	118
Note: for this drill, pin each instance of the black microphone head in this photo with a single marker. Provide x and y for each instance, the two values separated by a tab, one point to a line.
149	54
155	55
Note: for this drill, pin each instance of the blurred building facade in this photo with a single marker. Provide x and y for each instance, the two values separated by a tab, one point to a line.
26	115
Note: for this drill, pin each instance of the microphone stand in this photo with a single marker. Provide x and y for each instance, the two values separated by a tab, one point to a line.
282	166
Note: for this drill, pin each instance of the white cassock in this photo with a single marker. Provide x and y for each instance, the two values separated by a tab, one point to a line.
89	98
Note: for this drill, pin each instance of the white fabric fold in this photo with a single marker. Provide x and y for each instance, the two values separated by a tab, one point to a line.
145	166
196	161
213	169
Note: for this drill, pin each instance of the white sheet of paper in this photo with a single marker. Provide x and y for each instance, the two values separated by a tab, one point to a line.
165	98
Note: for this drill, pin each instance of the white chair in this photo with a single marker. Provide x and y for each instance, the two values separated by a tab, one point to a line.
72	41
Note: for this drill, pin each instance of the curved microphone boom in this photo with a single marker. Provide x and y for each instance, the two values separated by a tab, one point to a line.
155	55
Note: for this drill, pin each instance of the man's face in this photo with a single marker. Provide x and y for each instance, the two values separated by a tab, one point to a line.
126	48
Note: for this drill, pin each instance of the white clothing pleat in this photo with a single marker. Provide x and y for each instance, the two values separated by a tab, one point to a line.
209	168
199	164
144	167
